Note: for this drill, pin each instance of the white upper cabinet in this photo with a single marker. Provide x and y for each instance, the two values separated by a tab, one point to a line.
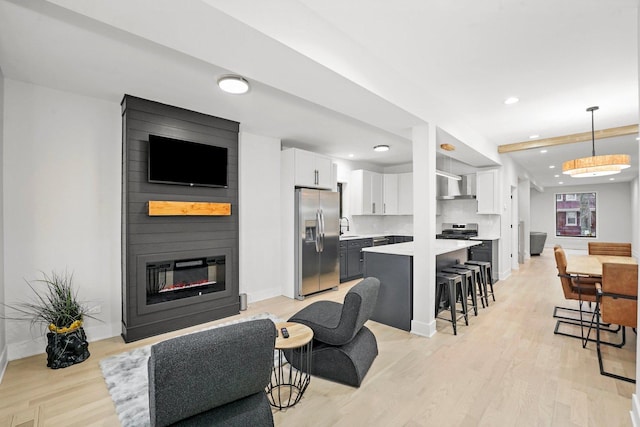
405	193
390	194
312	170
487	192
366	193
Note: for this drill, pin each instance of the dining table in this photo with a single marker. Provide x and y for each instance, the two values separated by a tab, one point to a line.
591	265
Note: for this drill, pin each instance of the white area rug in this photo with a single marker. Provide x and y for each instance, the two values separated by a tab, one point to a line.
126	378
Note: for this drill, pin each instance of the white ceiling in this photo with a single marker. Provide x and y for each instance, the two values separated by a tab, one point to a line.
340	77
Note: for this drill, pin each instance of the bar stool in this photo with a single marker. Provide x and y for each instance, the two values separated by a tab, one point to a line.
477	275
454	285
469	277
487	276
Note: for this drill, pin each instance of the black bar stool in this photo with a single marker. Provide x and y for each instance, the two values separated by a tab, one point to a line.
469	277
480	285
488	277
454	285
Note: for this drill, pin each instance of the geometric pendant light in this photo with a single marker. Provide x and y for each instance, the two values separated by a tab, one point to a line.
595	165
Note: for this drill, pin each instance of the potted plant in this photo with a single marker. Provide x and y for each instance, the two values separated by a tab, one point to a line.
57	306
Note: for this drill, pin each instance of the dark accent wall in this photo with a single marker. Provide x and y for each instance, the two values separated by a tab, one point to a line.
149	239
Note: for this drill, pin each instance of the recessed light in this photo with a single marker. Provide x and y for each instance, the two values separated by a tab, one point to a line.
381	148
561	182
511	100
612	179
556	176
350	155
233	84
551	167
543	151
534	136
638	138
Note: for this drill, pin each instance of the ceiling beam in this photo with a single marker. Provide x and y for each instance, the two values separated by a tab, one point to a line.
568	139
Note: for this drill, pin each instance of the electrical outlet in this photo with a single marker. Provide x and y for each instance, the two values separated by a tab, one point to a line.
96	309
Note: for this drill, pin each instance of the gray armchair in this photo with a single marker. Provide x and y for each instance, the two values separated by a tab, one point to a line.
343	348
213	377
537	240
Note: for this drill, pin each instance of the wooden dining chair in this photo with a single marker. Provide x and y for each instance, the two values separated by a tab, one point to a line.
608	248
617	303
578	288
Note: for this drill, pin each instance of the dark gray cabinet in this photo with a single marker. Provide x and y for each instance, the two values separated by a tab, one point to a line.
486	251
343	261
351	258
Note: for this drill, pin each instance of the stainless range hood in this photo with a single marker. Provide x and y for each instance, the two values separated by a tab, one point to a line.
452	189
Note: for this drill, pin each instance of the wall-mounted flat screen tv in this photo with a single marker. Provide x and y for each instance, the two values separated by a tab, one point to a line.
173	161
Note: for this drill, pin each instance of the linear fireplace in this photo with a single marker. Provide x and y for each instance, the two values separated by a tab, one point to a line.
175	279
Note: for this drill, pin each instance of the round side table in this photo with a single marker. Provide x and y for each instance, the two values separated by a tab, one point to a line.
287	383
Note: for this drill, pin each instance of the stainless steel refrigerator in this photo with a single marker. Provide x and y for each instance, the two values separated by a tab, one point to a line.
317	256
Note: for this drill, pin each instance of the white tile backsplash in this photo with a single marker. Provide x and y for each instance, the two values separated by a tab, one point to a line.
464	211
388	224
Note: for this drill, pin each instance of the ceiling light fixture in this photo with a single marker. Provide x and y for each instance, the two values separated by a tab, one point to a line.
543	151
233	84
534	136
608	164
511	100
381	148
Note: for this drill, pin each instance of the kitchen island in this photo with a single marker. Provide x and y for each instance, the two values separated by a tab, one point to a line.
393	266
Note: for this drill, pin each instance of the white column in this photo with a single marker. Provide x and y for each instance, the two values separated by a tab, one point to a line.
424	229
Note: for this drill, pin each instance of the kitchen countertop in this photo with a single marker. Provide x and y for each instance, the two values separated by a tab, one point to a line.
486	237
442	246
370	236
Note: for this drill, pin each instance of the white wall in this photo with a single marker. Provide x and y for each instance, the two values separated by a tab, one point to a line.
524	213
62	163
260	235
3	335
614	222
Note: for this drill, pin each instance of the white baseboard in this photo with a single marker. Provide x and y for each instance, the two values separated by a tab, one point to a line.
263	294
423	329
3	363
635	410
503	275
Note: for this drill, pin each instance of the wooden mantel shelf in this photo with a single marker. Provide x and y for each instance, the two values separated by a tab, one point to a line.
167	208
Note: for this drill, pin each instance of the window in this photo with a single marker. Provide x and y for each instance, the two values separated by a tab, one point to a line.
576	214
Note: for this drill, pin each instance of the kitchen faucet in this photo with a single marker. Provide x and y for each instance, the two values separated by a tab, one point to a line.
344	217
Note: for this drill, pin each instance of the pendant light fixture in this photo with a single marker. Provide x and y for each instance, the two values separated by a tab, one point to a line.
585	167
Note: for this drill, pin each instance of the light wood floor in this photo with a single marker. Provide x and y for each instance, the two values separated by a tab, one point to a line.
507	368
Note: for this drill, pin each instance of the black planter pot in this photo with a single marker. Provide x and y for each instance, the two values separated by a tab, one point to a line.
66	349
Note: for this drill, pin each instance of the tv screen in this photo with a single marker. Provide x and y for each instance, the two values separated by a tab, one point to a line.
172	161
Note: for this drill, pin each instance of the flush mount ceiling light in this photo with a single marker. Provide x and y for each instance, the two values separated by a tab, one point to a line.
595	165
234	84
448	147
511	100
381	148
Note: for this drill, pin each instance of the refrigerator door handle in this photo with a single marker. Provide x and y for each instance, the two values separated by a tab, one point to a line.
321	231
318	232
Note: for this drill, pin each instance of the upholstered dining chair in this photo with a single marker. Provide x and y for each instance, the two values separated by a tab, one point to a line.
577	288
617	299
213	377
343	348
607	248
